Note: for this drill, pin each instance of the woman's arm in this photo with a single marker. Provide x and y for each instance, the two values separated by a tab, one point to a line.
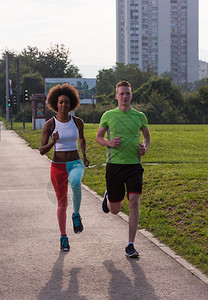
46	132
82	140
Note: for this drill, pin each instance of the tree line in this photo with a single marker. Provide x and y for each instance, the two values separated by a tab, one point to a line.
157	96
162	101
34	66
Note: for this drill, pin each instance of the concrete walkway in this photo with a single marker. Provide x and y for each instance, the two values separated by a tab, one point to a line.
31	265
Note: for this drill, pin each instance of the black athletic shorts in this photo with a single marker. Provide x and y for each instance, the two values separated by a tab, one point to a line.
118	176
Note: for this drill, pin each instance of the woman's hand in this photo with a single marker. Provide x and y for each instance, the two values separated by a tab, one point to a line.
55	137
86	161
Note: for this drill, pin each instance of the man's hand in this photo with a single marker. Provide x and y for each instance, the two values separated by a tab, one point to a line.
142	150
115	142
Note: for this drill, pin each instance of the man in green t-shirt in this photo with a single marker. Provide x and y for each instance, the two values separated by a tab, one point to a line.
123	151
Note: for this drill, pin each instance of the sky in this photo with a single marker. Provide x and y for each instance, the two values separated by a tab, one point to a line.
86	27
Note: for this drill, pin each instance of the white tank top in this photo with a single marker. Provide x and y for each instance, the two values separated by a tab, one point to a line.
68	135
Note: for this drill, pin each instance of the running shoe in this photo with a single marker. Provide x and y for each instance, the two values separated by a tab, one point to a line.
104	204
131	251
64	243
77	223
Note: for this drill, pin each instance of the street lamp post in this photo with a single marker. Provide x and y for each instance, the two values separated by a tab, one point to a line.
7	86
25	98
10	100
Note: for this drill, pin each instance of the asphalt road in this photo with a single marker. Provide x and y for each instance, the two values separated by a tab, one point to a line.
32	266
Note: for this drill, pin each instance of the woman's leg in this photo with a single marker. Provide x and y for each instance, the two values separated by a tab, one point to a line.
59	179
75	171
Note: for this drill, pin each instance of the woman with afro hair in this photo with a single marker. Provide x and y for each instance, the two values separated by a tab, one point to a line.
64	130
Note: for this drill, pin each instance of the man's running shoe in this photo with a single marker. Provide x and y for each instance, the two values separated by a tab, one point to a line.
77	223
104	204
131	251
64	243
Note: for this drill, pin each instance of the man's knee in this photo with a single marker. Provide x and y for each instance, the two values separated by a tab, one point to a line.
115	208
114	211
134	200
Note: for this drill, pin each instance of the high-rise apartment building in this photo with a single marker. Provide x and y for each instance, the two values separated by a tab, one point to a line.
162	34
203	69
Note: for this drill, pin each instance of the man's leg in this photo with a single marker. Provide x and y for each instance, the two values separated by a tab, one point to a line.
133	215
115	189
114	207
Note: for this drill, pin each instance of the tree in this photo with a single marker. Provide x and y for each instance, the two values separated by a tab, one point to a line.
108	78
132	74
164	101
106	81
196	105
193	86
55	62
34	66
162	86
33	82
191	107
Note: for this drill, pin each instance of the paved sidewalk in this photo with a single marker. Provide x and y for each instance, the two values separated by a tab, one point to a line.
31	265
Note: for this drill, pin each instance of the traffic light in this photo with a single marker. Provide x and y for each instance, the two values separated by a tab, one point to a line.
14	99
26	95
10	101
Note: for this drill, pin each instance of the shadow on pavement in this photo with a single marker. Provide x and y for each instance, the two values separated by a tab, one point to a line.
122	287
53	288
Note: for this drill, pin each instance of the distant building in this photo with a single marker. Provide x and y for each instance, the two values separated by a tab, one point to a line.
203	69
162	34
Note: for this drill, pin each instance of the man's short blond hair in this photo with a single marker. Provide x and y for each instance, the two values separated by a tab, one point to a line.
122	83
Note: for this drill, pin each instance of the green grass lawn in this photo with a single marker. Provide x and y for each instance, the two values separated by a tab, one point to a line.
174	205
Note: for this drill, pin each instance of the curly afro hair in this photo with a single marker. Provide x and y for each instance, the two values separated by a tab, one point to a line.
59	90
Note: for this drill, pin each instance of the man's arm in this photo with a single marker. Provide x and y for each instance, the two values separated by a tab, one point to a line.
103	141
143	148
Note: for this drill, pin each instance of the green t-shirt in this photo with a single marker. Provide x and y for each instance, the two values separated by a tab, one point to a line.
127	125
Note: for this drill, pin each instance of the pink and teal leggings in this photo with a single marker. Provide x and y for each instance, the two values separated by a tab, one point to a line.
61	174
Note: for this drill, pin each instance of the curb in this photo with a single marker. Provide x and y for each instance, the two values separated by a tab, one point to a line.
193	270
